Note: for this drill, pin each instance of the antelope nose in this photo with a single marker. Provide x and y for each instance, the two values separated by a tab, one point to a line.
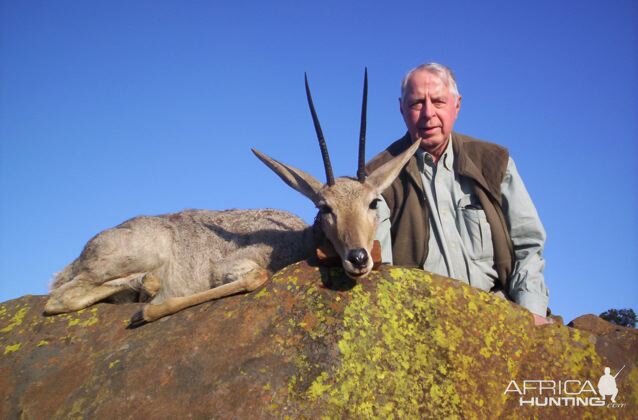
358	257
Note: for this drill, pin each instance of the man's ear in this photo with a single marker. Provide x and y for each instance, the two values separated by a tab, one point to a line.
297	179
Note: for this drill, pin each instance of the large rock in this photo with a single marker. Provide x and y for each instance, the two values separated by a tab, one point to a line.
400	343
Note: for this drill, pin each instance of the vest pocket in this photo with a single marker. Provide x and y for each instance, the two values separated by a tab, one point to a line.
475	232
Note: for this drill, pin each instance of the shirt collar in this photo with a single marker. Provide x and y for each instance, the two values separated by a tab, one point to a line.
447	159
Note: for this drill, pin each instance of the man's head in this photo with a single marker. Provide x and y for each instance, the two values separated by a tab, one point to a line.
429	103
607	371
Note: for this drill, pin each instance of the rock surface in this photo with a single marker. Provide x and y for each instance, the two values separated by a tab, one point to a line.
400	343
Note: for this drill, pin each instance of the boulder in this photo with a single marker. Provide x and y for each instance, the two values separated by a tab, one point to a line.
313	343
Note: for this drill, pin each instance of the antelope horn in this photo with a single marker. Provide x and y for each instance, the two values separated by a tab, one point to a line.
322	142
361	171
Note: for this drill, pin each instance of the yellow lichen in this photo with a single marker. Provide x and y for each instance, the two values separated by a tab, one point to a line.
12	348
16	320
80	321
287	279
414	345
387	364
632	379
76	409
92	320
42	343
319	387
262	293
402	350
113	364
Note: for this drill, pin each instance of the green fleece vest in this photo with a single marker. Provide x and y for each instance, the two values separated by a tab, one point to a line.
485	163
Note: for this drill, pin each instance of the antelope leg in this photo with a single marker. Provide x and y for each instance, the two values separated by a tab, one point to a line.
78	294
249	282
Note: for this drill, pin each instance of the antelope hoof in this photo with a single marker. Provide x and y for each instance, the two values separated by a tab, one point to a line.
137	320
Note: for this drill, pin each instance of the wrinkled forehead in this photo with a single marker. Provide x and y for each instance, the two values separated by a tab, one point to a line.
423	81
347	191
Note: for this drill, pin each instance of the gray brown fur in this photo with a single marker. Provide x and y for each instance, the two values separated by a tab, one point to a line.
188	252
184	259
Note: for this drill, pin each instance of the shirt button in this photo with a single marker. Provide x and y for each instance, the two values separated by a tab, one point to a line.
428	158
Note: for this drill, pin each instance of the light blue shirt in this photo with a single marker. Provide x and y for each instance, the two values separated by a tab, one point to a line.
460	244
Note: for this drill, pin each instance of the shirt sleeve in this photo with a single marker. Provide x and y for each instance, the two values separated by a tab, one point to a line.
527	283
383	232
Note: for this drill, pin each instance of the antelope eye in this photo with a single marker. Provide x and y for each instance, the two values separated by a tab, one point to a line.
325	209
374	204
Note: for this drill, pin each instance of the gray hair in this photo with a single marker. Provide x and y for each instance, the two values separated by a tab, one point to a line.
443	72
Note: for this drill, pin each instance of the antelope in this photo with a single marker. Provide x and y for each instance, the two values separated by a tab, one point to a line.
179	260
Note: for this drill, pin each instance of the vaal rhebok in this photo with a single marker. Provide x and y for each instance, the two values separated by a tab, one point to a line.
183	259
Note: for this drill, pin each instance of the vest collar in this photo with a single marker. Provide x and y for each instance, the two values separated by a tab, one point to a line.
464	164
412	167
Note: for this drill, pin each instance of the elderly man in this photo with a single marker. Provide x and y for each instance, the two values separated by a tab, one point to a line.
459	207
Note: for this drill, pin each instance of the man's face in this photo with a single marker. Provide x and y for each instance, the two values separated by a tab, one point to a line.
429	109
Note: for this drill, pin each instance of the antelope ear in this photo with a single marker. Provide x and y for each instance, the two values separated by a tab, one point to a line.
384	175
299	180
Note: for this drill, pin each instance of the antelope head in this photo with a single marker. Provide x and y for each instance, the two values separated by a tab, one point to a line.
347	206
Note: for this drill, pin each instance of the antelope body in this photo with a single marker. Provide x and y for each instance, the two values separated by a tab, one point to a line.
183	259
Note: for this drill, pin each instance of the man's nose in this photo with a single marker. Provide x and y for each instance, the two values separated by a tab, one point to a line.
358	257
427	111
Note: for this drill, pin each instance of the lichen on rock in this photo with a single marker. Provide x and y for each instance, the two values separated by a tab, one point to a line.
311	344
412	344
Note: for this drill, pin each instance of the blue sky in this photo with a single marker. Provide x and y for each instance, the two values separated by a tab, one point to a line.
114	109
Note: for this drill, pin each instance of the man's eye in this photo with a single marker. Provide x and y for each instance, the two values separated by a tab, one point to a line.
374	204
325	209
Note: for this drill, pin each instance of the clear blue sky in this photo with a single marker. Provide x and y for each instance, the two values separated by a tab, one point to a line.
114	109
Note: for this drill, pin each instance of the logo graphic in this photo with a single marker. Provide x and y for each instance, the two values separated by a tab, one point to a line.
567	393
607	384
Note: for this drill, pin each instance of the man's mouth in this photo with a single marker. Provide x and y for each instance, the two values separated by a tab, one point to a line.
428	131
